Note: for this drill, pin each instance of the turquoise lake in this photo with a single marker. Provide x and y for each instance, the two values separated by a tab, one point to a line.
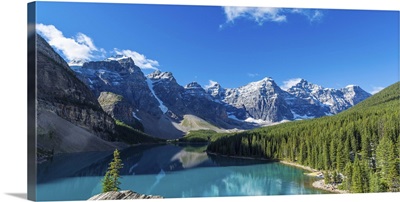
171	171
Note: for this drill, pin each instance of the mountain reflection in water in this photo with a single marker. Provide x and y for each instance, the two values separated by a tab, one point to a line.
171	171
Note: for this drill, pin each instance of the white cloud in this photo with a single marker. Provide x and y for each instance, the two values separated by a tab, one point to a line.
79	48
210	84
289	83
312	15
262	14
258	14
376	90
85	40
139	59
252	74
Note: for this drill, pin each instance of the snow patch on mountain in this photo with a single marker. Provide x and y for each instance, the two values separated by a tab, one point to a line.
77	62
232	116
257	121
300	117
351	86
210	84
163	108
158	75
135	116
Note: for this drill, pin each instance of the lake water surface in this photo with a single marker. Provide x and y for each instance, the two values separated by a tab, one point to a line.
170	171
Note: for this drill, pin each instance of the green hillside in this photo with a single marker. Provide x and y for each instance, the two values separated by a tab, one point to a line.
388	96
361	143
203	136
130	135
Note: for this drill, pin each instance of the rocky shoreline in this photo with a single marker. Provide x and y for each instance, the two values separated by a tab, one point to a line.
122	195
319	184
298	165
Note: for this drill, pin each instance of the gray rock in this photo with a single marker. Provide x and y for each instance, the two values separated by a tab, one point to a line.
60	92
122	195
261	100
121	77
266	101
330	101
117	107
216	91
191	99
160	99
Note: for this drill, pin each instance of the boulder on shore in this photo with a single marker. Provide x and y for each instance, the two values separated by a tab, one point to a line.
122	195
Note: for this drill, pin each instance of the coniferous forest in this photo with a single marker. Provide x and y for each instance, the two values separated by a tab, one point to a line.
359	149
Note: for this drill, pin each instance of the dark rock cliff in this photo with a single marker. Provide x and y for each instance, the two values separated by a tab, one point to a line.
62	99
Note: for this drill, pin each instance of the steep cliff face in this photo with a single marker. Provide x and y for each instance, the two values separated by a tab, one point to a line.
122	77
190	103
118	108
321	101
61	94
200	103
261	100
169	92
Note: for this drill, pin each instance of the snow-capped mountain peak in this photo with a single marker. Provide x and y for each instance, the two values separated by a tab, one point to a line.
351	86
77	62
216	90
193	85
304	86
158	75
301	83
354	94
195	89
270	79
116	58
262	87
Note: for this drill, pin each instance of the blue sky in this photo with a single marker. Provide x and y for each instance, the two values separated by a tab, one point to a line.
232	45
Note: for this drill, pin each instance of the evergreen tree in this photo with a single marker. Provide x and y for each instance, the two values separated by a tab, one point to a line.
341	154
365	147
393	175
335	177
332	153
348	172
356	179
326	157
111	181
382	163
365	170
327	178
374	182
107	184
302	153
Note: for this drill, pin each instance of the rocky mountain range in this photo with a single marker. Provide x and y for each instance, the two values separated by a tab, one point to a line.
81	105
163	108
69	117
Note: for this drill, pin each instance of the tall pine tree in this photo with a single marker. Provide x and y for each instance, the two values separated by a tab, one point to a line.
111	181
356	179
